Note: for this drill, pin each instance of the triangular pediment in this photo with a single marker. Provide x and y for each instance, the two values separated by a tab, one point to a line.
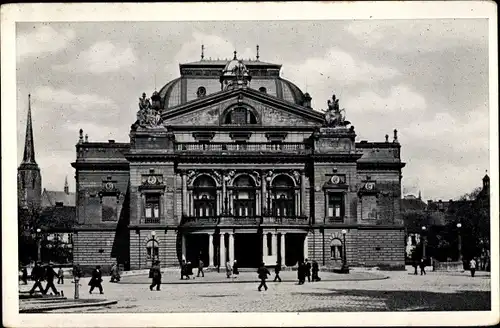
268	110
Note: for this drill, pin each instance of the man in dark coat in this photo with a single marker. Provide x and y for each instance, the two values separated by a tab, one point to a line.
315	271
156	276
301	275
24	275
307	269
184	270
422	266
96	280
263	272
38	275
277	270
50	274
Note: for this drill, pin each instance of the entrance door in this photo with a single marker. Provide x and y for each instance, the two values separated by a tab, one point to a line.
248	250
294	245
196	248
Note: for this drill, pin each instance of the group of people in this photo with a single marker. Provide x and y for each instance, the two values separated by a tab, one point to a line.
232	271
305	269
41	273
421	264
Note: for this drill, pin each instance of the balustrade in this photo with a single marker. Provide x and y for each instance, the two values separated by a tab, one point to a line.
290	147
247	220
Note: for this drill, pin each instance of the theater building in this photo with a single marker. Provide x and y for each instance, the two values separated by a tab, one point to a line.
230	162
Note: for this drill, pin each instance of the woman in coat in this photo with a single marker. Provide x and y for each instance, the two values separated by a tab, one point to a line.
229	270
236	271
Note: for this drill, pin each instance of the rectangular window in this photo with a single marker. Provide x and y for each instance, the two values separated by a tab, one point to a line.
152	210
335	208
109	208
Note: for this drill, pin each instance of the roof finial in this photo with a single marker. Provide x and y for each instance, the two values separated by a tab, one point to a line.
257	53
202	51
234	54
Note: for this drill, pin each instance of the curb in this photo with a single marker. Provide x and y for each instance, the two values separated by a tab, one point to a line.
67	306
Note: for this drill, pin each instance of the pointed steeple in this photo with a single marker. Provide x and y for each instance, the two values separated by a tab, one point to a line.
419	195
66	187
29	146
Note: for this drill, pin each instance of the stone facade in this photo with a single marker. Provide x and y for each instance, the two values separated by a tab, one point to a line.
242	172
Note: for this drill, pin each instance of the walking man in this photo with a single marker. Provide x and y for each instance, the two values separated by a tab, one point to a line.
301	274
472	267
307	267
200	268
96	280
315	271
37	274
115	274
422	267
24	275
156	275
277	270
50	274
263	273
236	271
60	276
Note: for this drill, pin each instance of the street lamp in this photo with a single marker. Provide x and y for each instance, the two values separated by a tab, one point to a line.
424	228
459	225
345	268
39	245
153	235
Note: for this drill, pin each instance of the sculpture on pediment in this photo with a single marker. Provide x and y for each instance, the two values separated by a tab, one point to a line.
334	116
148	116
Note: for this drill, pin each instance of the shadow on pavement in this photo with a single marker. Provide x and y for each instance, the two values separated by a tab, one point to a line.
413	300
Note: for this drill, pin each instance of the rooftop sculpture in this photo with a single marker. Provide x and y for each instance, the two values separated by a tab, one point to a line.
334	116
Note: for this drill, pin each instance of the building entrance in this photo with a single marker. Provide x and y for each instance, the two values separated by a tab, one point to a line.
248	250
196	248
294	245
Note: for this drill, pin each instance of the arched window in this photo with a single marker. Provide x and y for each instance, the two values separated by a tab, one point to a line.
336	249
240	115
152	249
283	192
244	196
204	196
263	89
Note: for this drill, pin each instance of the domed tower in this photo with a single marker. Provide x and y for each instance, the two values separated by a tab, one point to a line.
235	75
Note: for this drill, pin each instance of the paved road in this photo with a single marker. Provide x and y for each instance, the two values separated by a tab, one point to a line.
402	291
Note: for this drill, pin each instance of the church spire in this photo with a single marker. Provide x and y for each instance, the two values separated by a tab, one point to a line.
29	146
66	187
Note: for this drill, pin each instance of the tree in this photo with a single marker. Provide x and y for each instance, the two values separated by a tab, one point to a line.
29	220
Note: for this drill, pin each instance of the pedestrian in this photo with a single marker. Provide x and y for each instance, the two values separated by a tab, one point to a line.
115	274
156	276
38	275
236	271
50	274
263	272
315	271
60	276
229	269
189	269
422	267
301	275
184	270
277	270
307	270
415	266
24	275
472	267
96	280
200	268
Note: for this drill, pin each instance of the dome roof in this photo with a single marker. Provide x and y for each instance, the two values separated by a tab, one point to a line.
290	92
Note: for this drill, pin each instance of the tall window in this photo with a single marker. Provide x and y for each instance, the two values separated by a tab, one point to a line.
152	208
240	115
283	192
109	208
152	249
336	249
244	196
336	206
204	195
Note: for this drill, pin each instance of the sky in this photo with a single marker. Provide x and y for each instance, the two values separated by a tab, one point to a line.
427	78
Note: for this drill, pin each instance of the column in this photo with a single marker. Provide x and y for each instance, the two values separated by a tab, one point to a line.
303	193
231	247
184	247
264	245
297	203
222	250
210	249
263	199
224	195
282	248
143	208
306	247
184	194
274	240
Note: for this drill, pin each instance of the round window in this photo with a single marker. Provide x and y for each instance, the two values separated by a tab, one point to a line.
201	92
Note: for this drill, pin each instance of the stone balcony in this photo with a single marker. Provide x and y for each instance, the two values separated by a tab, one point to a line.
244	220
247	147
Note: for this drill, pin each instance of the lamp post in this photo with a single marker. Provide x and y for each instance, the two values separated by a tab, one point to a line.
424	229
459	225
153	235
39	244
345	268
